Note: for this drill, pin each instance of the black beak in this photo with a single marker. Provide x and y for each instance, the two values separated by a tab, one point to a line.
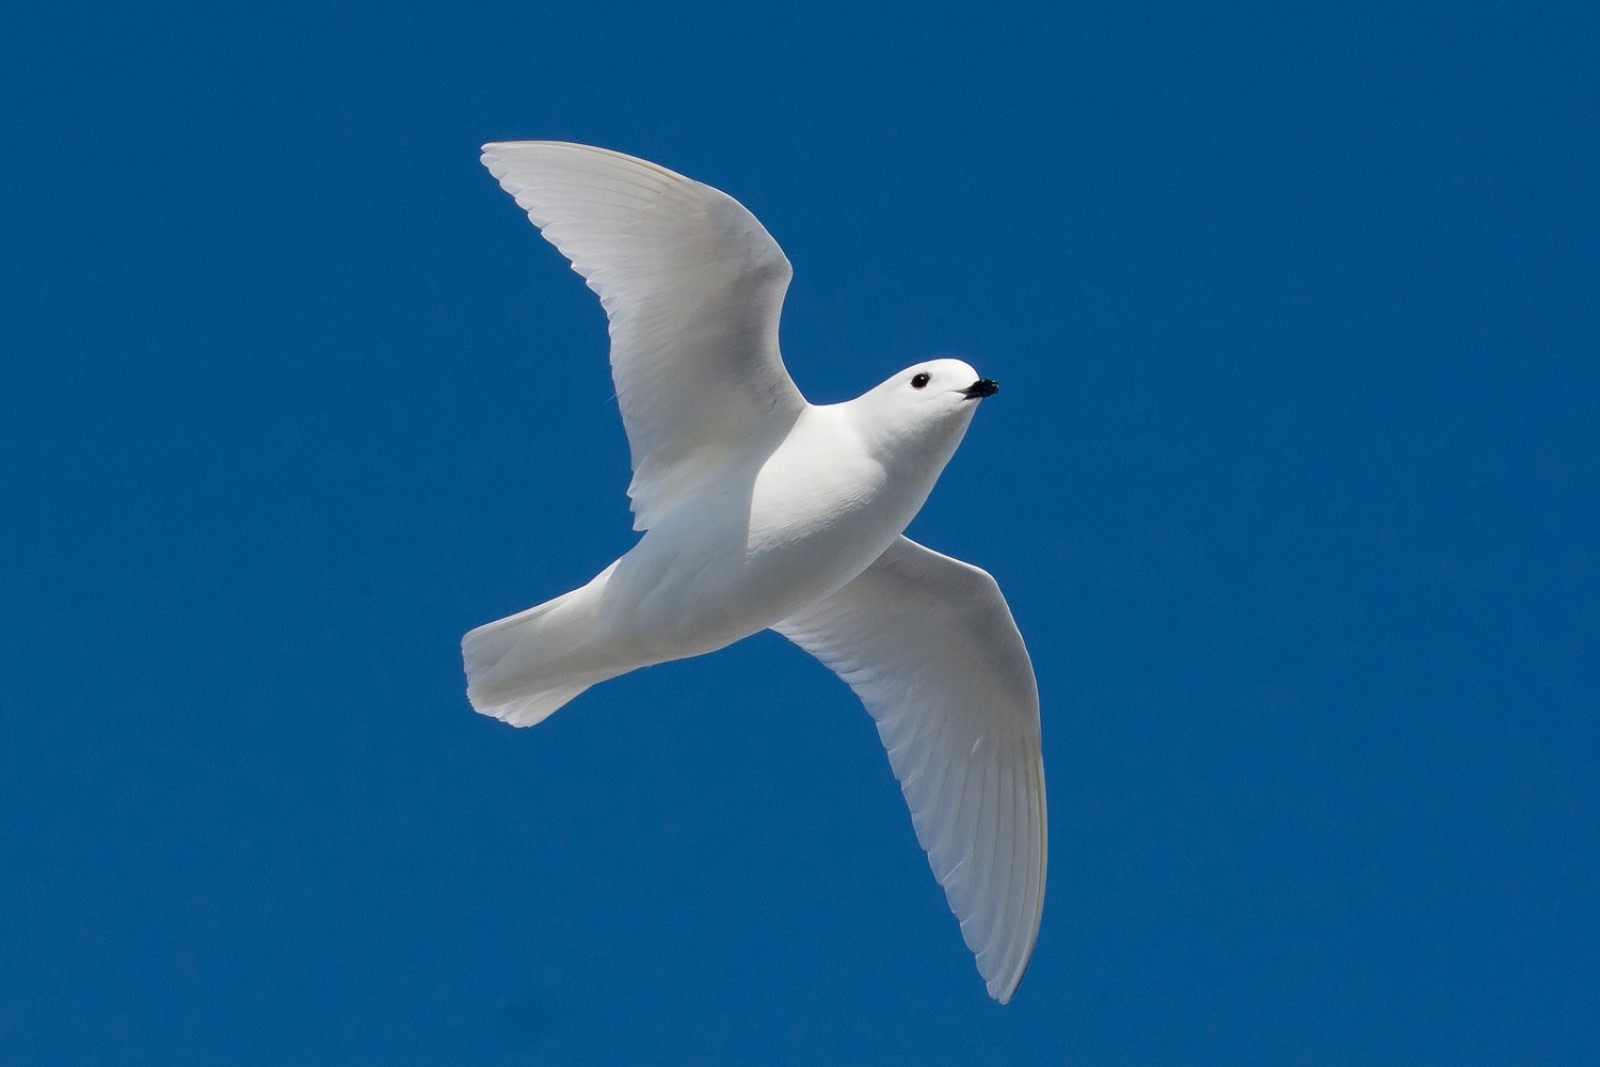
981	388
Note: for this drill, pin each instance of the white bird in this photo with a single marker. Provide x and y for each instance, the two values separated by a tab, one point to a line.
761	510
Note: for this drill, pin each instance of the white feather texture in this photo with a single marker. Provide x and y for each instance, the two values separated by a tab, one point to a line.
692	286
930	647
760	510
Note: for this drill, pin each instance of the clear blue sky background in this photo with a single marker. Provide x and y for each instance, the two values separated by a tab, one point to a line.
1292	486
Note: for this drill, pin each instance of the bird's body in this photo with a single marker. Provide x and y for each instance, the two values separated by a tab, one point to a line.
736	557
761	510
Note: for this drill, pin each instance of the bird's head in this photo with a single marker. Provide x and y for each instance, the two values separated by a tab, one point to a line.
924	408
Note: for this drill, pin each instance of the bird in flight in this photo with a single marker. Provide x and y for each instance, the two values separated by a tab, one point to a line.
760	510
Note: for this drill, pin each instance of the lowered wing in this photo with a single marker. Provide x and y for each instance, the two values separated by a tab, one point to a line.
928	644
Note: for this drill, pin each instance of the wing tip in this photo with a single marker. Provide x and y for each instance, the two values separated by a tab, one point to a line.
1003	986
1002	992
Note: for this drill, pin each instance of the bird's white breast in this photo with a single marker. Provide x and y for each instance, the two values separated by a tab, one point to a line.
754	549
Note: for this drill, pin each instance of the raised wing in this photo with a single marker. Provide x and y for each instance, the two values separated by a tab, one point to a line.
692	286
930	647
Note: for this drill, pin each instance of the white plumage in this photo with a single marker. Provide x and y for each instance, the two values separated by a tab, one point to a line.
761	510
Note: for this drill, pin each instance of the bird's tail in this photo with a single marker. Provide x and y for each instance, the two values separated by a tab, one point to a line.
522	668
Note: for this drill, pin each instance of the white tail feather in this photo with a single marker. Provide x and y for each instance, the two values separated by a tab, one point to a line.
522	668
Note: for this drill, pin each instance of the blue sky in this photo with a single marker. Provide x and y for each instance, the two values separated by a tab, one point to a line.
1292	488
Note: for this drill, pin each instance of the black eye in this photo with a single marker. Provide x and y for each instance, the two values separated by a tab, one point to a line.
919	380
